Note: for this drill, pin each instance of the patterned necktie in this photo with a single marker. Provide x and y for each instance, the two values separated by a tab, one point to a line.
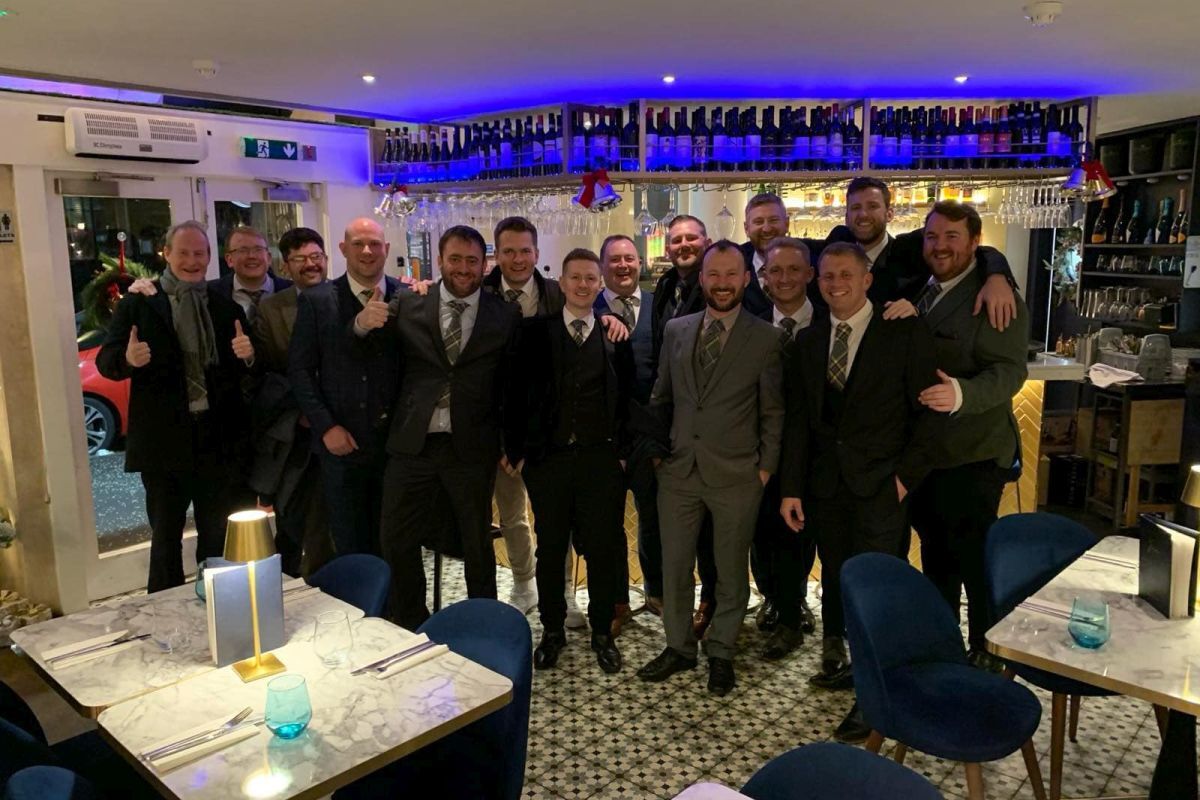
710	349
453	341
678	294
627	315
513	295
789	329
254	297
839	356
365	296
927	298
577	333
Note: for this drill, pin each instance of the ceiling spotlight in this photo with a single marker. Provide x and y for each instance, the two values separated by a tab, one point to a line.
368	78
1043	12
961	78
668	79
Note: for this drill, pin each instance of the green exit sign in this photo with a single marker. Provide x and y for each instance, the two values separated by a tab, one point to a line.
273	149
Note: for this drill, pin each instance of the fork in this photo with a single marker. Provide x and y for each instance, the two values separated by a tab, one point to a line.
197	738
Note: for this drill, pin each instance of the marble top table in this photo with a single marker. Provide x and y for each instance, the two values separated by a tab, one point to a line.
359	724
709	791
1147	656
92	686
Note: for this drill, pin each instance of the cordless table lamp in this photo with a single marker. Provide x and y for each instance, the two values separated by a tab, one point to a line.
248	539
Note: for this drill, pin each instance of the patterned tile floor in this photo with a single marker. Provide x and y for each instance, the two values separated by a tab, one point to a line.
612	736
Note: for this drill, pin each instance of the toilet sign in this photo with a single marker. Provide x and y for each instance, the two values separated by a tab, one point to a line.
273	149
8	227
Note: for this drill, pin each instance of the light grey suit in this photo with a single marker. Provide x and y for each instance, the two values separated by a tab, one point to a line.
722	434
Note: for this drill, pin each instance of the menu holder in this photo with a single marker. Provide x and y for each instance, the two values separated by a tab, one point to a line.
1168	556
230	626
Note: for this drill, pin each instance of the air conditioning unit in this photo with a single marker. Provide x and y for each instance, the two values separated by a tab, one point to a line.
93	133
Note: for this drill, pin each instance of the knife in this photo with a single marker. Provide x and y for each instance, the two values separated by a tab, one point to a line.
388	661
95	647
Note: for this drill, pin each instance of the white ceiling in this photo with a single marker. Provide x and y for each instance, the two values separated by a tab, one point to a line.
441	60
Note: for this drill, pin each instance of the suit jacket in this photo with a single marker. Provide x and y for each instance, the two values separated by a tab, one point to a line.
224	285
768	316
273	327
476	377
991	367
641	339
550	296
755	300
338	380
159	435
533	400
733	427
662	313
883	430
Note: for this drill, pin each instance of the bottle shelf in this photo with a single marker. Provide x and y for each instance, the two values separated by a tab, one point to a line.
1130	275
1181	174
1178	248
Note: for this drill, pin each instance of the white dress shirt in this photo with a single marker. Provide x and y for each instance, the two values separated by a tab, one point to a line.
529	297
946	287
359	288
617	307
589	322
803	316
858	323
440	421
758	262
242	293
874	252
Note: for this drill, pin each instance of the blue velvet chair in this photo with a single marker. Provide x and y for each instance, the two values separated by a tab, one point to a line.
1022	554
913	680
358	579
835	771
486	759
23	744
49	783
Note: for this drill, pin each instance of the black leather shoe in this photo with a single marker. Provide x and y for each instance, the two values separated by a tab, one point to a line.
982	659
854	729
783	641
833	675
720	676
545	655
607	654
808	623
664	665
767	617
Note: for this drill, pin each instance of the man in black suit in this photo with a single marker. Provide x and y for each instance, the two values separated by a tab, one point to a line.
565	430
623	297
185	352
249	280
780	558
677	294
346	388
856	440
766	219
456	344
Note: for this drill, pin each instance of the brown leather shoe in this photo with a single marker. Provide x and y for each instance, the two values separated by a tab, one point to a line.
621	615
702	618
654	605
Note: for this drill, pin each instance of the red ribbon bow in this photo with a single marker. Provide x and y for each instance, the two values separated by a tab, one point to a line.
590	181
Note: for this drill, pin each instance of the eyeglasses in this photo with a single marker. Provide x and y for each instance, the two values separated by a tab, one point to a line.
312	258
249	251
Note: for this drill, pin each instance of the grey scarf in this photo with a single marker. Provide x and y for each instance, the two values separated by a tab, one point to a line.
193	326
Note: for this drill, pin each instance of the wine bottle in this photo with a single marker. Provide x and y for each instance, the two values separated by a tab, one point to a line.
1100	229
701	141
737	140
987	140
387	157
768	159
752	141
1035	144
683	142
1017	127
720	140
969	139
458	159
852	136
1178	234
1135	231
818	140
1166	215
422	154
471	147
889	146
1054	139
651	141
578	151
935	140
801	141
1074	136
521	150
1003	132
904	144
666	141
1116	232
952	148
629	141
875	137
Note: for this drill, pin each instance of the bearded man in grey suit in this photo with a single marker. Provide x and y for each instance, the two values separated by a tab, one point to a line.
719	394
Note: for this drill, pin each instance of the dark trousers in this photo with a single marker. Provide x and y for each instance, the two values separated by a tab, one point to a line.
353	489
845	526
952	511
210	487
302	525
410	517
780	558
578	494
706	562
644	485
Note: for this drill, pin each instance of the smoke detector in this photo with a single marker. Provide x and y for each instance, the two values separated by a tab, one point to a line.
206	68
1043	12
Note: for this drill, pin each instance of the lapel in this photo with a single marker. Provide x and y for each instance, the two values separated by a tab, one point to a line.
433	313
484	314
287	314
162	306
733	345
963	292
871	341
347	304
601	305
815	363
686	348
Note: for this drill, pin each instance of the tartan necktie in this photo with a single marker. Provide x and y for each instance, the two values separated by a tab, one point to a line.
365	296
254	297
513	295
925	302
577	326
627	315
453	342
839	356
789	329
710	349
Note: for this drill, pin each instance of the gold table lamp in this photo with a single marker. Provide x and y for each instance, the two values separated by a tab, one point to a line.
1191	489
248	539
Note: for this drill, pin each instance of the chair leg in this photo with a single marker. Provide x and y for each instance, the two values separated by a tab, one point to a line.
437	582
975	790
1073	725
1035	772
901	752
1160	716
874	742
1058	733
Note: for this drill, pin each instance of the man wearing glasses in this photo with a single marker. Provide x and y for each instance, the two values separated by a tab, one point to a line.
250	279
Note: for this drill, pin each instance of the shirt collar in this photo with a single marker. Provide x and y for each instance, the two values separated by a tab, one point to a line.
858	319
611	297
957	279
873	253
359	288
758	261
803	315
470	299
268	285
530	287
729	320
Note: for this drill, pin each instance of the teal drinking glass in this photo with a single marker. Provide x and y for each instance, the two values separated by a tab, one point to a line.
1089	623
288	708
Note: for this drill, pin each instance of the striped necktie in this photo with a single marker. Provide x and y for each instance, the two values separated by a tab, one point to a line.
513	295
925	302
577	326
627	315
789	329
839	356
453	342
710	349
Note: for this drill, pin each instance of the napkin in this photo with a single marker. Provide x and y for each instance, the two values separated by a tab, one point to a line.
294	583
1037	604
167	763
412	661
112	636
1103	375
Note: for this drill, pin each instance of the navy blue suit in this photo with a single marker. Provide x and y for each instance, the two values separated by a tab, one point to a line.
340	380
224	285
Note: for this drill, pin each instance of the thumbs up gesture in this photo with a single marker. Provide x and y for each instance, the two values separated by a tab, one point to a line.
243	348
374	314
137	353
942	396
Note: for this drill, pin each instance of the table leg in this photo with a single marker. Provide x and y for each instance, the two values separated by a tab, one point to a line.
1175	772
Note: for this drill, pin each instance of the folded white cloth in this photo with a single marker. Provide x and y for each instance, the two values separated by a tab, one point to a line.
412	661
1103	375
70	661
294	583
232	736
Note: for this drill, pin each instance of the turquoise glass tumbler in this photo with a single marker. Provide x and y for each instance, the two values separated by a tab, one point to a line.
1089	623
288	708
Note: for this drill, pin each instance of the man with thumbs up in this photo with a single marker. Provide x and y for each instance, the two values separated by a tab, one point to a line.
982	368
185	351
